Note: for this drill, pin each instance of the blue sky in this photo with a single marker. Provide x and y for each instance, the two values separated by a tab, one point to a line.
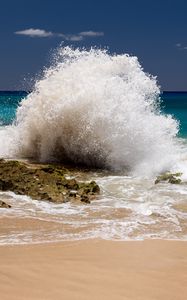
155	31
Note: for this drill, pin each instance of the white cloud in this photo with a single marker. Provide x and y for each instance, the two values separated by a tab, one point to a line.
91	33
60	35
74	38
35	32
40	33
181	47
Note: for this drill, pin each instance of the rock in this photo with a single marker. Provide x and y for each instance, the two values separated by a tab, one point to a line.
4	204
44	182
72	193
94	188
169	177
72	184
85	199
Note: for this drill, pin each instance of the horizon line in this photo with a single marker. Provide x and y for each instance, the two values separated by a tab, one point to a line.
29	91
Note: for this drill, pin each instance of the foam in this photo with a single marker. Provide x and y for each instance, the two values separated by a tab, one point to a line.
97	109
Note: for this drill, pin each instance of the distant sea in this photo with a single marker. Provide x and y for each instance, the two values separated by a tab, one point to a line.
9	101
174	103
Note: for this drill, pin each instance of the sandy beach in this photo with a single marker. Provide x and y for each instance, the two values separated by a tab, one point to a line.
93	269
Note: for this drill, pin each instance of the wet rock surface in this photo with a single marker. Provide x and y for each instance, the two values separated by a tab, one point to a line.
173	178
45	182
4	204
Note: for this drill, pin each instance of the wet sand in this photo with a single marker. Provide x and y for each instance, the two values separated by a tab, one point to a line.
92	269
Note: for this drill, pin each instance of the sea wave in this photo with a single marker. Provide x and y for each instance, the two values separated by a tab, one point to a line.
96	109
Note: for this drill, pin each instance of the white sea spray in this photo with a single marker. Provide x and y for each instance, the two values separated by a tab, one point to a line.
96	109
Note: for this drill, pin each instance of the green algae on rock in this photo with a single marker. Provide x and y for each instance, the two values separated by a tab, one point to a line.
44	182
169	177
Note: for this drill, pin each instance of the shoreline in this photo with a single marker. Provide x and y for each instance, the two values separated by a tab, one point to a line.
88	240
94	269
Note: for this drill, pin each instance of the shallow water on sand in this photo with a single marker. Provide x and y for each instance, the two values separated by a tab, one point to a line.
127	209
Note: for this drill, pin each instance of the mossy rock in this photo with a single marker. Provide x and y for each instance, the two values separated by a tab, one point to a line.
44	182
169	177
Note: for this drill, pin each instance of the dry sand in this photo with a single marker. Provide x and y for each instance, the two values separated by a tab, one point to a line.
95	270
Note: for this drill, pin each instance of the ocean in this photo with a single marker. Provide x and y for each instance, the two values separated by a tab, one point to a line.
104	112
173	103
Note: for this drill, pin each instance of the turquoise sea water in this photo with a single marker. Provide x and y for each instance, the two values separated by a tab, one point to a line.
174	103
9	102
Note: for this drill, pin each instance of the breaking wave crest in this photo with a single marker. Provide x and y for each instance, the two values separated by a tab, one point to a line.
96	109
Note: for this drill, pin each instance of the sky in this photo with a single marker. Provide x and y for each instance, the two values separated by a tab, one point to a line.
154	31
